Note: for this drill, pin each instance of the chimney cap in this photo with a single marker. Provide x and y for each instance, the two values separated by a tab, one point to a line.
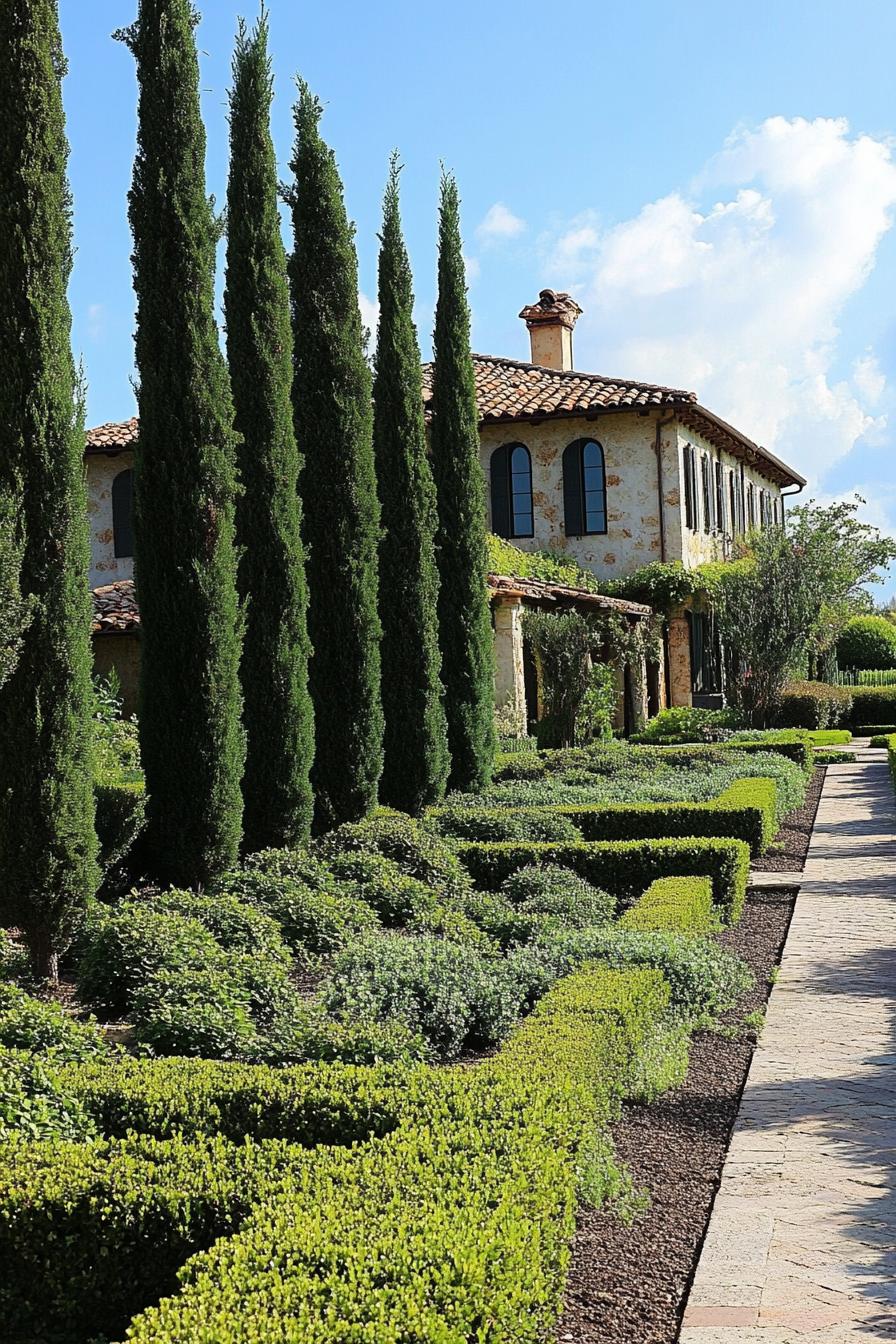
552	308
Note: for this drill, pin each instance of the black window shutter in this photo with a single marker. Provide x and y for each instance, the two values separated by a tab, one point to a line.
573	491
500	490
688	487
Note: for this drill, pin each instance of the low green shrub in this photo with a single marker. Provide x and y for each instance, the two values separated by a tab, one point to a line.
624	868
867	642
495	823
416	850
43	1028
128	945
830	737
452	994
120	816
794	744
15	964
396	898
310	1034
195	1011
873	704
834	757
814	704
294	863
674	904
685	724
236	924
498	920
874	730
509	746
525	766
559	892
36	1107
313	921
880	739
450	921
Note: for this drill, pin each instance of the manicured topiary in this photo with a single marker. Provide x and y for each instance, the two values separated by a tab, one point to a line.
415	764
334	429
191	739
551	890
465	631
277	712
867	642
47	838
396	897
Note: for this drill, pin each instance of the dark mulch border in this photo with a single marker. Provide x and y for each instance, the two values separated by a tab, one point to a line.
788	851
628	1284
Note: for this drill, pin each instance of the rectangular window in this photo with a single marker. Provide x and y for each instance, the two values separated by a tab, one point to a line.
707	493
690	513
720	498
732	503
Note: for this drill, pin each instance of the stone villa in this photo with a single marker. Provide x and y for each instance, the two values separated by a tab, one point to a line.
617	473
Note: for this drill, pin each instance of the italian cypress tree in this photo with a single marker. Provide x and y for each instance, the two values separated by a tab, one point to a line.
47	842
334	429
465	631
415	767
277	710
191	739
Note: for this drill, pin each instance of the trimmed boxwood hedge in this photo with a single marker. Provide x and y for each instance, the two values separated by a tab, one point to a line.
625	868
874	730
746	810
873	704
476	1169
673	904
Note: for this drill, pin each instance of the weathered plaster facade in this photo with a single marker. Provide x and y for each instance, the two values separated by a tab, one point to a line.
105	566
510	685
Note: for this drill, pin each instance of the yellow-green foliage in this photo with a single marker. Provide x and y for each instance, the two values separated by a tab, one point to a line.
674	904
457	1207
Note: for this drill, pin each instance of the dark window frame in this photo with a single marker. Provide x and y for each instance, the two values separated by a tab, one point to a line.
123	514
506	518
575	494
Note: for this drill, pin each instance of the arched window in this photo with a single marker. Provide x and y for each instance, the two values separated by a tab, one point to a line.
584	488
511	488
123	513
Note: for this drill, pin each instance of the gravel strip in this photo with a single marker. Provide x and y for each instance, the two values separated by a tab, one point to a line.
627	1284
791	845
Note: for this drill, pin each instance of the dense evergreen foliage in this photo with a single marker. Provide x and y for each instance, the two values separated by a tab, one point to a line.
867	642
334	429
191	738
415	768
464	621
47	840
277	706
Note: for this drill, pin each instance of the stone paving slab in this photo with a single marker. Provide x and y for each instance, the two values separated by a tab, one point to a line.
801	1245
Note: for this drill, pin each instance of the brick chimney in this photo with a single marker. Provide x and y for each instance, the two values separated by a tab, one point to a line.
550	322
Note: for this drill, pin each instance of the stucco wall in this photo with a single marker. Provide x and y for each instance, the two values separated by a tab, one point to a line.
701	546
633	530
633	509
102	469
121	652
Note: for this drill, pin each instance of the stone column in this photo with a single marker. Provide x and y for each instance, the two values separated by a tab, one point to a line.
679	659
510	684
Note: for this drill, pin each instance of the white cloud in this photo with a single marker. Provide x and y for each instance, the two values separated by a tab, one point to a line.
473	269
96	321
370	313
499	224
735	287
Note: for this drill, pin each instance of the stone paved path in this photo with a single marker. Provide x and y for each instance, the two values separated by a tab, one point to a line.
801	1245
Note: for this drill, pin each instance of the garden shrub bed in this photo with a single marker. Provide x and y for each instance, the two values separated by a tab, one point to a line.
873	704
324	1233
623	867
746	810
875	730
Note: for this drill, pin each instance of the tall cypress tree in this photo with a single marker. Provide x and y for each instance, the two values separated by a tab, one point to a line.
192	742
334	429
415	767
277	710
465	631
47	842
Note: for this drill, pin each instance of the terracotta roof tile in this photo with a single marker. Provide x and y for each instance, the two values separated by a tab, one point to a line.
112	437
507	389
508	585
115	610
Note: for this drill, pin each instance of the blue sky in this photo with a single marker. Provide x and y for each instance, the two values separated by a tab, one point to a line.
715	183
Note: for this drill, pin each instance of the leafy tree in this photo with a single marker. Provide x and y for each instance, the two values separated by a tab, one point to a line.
867	642
465	631
47	839
415	767
791	598
277	713
191	739
334	428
